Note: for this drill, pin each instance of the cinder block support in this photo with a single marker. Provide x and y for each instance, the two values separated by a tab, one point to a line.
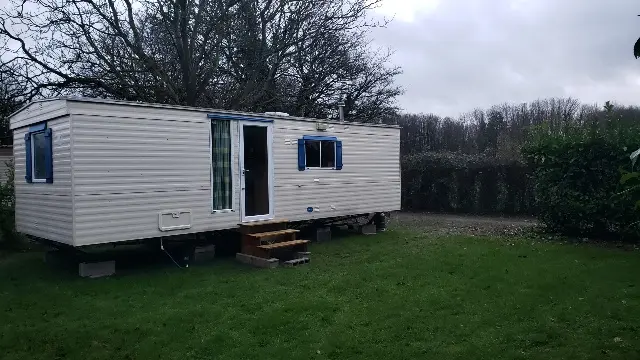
204	253
257	261
302	254
369	229
322	234
296	262
97	269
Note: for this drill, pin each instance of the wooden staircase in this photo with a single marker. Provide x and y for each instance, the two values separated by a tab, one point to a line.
272	239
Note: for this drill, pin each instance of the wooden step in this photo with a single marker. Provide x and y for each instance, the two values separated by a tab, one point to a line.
262	226
284	244
273	233
262	223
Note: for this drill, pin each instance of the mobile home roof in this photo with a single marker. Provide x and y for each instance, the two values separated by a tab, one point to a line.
191	108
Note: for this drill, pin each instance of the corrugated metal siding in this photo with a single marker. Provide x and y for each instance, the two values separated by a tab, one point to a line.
130	167
45	210
130	164
38	111
368	182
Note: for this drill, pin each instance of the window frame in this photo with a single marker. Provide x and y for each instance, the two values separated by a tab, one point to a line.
30	154
335	155
34	179
232	163
337	152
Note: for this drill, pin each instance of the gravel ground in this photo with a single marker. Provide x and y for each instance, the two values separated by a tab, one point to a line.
463	224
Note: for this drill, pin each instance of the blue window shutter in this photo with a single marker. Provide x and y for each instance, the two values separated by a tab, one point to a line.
301	157
27	147
48	156
338	155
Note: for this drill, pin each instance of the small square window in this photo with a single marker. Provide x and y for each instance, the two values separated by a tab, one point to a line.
39	146
320	153
312	151
328	154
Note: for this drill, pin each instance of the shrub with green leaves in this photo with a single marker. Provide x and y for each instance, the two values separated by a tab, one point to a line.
456	182
576	175
630	181
8	235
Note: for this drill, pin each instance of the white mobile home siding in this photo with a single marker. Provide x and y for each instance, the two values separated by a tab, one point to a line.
369	180
39	111
130	163
117	165
45	210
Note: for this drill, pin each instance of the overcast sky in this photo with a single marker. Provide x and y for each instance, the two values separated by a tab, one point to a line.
461	54
458	55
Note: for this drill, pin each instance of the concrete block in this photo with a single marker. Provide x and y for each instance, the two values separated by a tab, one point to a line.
97	269
296	262
322	234
257	261
369	229
302	254
204	253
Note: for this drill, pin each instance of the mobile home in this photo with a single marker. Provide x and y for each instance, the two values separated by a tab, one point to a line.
93	171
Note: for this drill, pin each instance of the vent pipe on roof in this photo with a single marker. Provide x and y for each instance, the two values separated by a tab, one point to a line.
341	110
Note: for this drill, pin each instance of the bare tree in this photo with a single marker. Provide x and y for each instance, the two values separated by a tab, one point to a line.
12	90
107	45
331	66
254	55
276	45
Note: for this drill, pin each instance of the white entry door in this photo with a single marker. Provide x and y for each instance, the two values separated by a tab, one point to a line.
256	170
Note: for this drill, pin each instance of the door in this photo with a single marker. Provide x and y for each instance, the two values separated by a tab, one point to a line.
256	171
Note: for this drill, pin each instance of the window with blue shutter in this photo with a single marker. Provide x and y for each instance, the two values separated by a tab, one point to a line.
319	152
301	155
48	156
29	166
338	155
38	143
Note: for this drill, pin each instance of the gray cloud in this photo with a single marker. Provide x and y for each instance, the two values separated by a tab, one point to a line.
476	53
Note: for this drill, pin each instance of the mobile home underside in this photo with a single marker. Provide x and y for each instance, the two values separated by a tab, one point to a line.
95	171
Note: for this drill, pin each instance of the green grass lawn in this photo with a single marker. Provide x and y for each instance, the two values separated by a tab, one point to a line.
397	295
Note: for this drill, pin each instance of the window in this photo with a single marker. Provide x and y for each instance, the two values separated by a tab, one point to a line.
328	154
312	153
39	154
221	182
319	152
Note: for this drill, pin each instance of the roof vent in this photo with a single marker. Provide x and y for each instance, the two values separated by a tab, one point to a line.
276	113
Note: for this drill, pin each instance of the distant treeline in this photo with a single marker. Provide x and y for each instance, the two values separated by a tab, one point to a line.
473	164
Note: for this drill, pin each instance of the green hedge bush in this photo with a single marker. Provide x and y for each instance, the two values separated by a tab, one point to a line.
9	238
576	177
456	182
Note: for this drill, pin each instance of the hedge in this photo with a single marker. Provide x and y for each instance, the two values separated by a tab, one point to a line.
454	182
576	176
8	236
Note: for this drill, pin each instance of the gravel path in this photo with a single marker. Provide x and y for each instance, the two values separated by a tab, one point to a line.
462	224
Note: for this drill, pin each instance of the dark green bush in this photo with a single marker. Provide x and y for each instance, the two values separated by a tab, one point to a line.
576	176
8	236
456	182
